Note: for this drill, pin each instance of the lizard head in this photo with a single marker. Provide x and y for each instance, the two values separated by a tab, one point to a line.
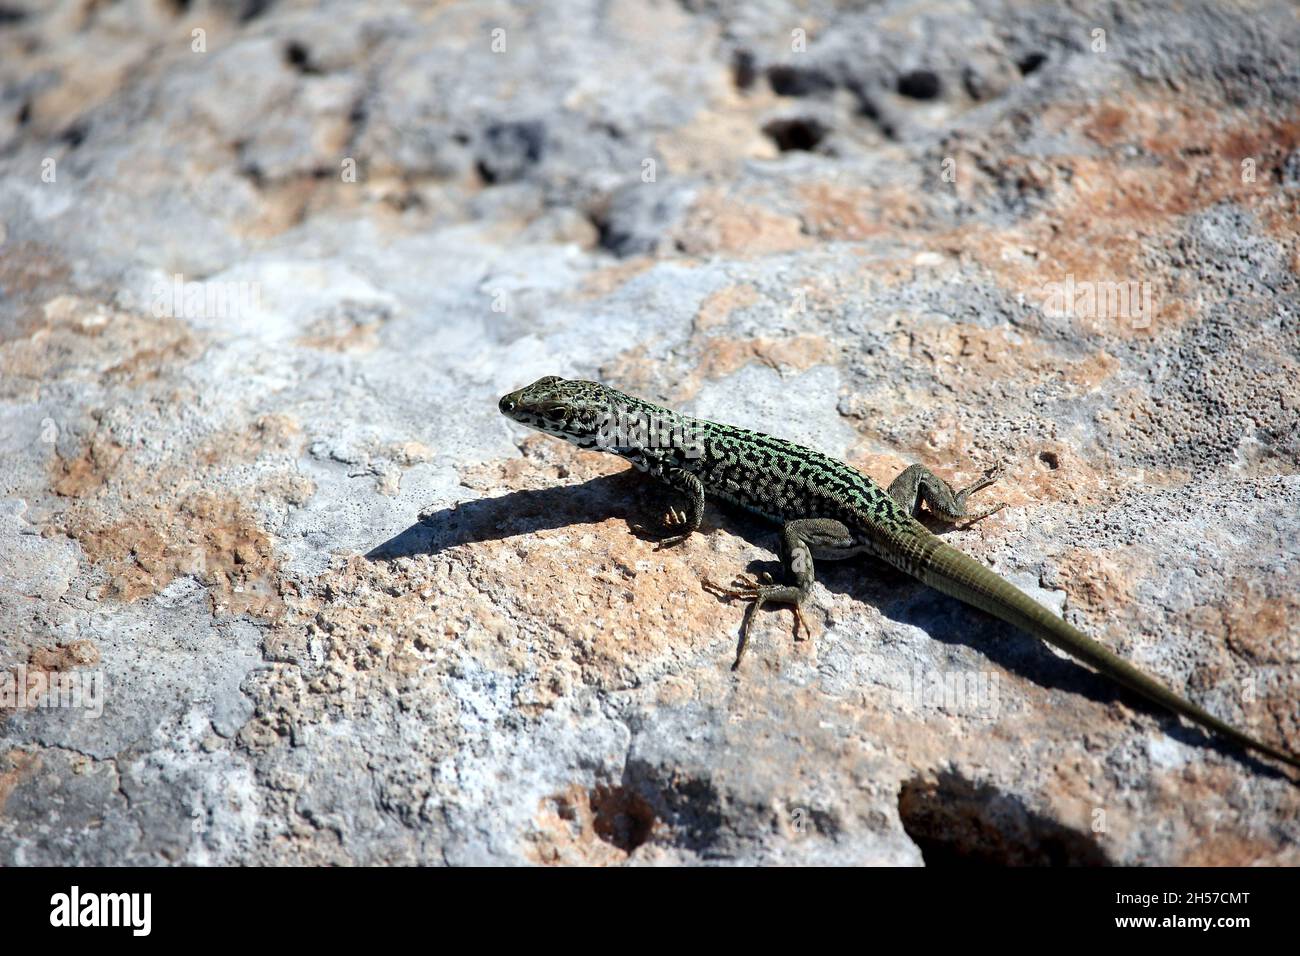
566	408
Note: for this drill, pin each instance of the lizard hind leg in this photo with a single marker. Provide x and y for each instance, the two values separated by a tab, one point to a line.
917	484
757	594
799	540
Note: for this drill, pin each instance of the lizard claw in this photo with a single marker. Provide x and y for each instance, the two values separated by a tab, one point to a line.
674	519
673	523
756	591
801	624
742	587
735	590
990	476
981	515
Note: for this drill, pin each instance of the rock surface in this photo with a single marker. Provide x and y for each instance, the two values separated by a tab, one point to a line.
261	285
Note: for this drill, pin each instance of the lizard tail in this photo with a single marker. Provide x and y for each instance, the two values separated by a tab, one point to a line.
946	569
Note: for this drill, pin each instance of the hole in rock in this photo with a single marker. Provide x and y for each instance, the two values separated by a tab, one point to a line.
959	823
803	133
622	817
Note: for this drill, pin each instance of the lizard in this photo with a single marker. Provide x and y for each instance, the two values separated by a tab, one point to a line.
827	510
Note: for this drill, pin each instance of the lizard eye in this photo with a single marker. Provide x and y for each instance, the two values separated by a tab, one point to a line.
555	413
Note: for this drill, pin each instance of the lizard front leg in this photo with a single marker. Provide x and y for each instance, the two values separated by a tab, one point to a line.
800	540
680	525
918	483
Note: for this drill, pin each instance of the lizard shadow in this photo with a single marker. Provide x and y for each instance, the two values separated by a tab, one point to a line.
904	600
513	514
627	496
624	495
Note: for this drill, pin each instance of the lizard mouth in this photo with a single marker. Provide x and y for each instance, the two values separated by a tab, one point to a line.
529	413
516	408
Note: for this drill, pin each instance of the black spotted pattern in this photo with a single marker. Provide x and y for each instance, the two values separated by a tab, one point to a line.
774	478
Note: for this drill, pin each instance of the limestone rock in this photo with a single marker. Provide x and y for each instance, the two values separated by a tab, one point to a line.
265	269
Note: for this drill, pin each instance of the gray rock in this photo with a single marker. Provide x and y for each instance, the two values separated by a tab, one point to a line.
258	301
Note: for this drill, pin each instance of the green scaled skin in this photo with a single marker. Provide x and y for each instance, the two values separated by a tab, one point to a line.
827	510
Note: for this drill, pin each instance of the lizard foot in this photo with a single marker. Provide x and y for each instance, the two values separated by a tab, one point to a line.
758	591
990	476
671	524
981	515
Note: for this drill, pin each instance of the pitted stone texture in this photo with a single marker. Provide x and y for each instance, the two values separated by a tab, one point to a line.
261	287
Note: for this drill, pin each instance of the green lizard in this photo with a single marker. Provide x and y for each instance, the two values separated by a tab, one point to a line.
827	511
